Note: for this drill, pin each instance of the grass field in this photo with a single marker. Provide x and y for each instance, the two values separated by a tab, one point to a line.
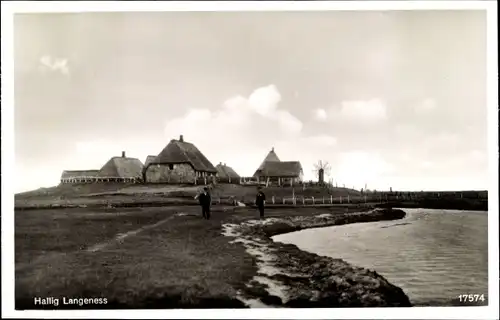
165	257
183	262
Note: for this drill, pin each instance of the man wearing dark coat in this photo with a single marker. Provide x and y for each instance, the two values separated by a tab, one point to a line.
205	202
260	201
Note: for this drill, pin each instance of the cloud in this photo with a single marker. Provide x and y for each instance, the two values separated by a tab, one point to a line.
49	63
264	100
426	106
241	131
359	167
354	112
320	114
364	110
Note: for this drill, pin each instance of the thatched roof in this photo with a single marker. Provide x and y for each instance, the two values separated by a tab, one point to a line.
281	169
75	174
149	159
179	151
121	167
224	171
271	157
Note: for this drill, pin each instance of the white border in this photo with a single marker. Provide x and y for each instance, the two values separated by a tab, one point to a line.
8	8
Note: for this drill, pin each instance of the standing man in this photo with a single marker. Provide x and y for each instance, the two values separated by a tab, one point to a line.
260	201
205	202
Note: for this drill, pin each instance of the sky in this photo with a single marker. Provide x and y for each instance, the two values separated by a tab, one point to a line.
388	98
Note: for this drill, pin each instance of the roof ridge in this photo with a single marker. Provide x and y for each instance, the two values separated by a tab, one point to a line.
118	157
182	149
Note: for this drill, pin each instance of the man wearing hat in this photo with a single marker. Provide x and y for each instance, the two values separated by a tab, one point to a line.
205	202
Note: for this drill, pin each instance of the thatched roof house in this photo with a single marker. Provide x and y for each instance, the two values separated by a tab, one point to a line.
149	159
272	169
121	169
271	157
282	169
71	176
226	172
179	162
180	151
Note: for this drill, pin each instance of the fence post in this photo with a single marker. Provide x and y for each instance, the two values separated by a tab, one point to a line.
219	200
303	200
331	199
313	200
273	199
283	200
340	199
348	200
323	200
365	198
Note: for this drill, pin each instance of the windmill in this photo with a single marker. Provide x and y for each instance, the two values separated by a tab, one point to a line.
320	169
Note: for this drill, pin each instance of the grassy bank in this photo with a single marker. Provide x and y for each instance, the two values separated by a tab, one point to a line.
169	257
303	279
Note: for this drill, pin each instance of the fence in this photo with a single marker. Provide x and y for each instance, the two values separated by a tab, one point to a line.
371	198
300	200
325	200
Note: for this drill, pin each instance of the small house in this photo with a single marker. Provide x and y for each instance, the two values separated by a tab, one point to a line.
179	162
272	169
79	176
121	169
226	174
282	172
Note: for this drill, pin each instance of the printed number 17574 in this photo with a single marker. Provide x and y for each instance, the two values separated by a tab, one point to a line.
471	297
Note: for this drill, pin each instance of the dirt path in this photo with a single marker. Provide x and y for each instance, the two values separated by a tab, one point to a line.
121	236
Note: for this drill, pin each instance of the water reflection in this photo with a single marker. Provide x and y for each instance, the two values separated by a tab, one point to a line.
433	255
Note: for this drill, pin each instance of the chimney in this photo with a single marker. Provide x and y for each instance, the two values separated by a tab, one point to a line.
220	163
181	138
123	154
272	149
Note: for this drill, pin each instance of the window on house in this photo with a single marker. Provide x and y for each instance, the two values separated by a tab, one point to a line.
171	166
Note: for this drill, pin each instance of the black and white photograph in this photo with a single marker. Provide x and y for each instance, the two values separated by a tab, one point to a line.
274	159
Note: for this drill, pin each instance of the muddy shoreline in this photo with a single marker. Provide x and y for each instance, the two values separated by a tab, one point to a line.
290	277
